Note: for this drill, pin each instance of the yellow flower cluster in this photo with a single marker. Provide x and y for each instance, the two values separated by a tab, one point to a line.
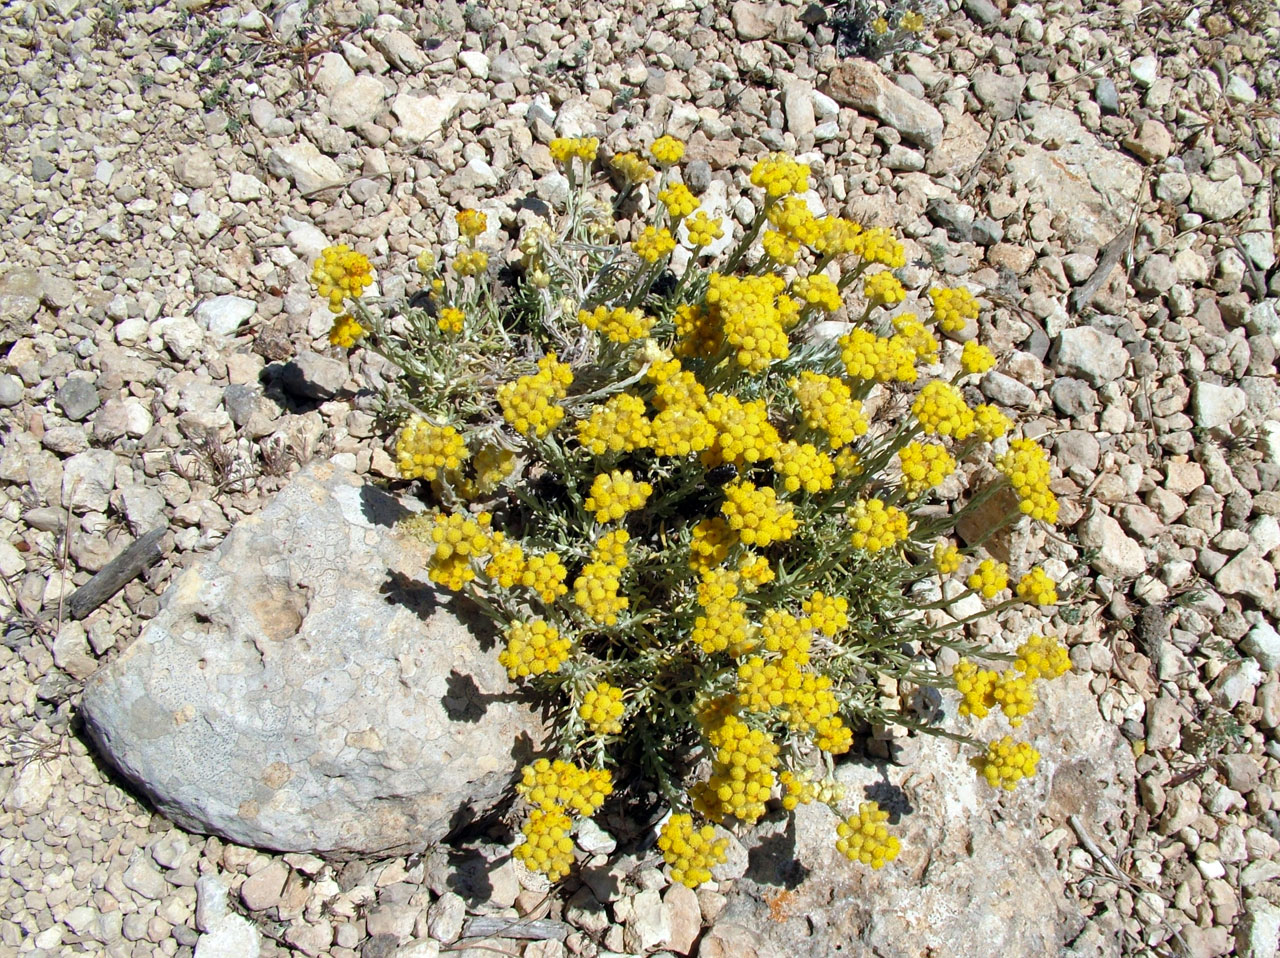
703	230
976	686
614	494
723	624
678	200
916	335
341	273
946	558
792	218
876	526
533	648
451	320
743	431
681	426
990	578
555	789
747	310
345	331
620	424
548	846
471	262
878	245
838	236
827	404
756	515
618	324
564	149
990	423
471	223
1026	465
1015	696
742	776
818	289
690	852
780	247
632	168
544	574
492	464
954	308
1038	588
924	465
941	411
1005	763
530	402
602	709
829	614
1042	657
667	150
802	698
653	243
778	175
596	590
865	838
804	466
976	359
457	539
912	21
424	451
884	359
883	289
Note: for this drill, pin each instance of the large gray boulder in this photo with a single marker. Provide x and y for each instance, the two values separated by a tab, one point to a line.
300	690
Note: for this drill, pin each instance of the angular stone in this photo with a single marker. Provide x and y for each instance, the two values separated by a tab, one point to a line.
999	94
1217	407
312	376
1263	643
300	690
862	85
309	169
1217	199
1091	355
77	397
1118	556
1248	574
356	102
224	314
753	21
422	117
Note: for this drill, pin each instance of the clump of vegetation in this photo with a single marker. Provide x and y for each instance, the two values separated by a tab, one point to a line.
710	529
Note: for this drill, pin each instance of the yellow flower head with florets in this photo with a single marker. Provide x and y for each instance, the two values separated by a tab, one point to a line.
667	151
471	223
341	273
779	175
565	149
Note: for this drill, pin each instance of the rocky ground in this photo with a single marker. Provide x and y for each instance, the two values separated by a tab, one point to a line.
1106	179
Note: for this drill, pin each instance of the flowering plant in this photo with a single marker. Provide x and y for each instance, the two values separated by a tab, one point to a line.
707	492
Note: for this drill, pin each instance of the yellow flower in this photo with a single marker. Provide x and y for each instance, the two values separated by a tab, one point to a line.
653	243
632	168
618	324
703	230
779	175
451	320
471	223
690	852
864	838
471	262
602	709
616	493
678	200
1005	763
533	648
1038	588
667	151
345	331
424	450
883	289
953	309
990	578
976	359
879	26
565	149
911	21
341	273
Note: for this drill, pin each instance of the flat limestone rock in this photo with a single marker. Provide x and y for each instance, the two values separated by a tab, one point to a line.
972	878
301	691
